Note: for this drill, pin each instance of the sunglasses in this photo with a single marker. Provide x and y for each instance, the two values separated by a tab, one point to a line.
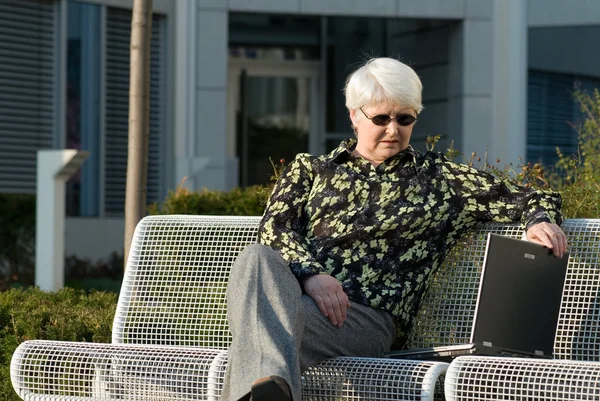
383	120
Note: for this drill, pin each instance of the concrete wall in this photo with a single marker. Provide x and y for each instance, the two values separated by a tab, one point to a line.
201	59
200	75
383	8
451	48
470	77
563	12
161	6
199	43
94	239
569	50
424	45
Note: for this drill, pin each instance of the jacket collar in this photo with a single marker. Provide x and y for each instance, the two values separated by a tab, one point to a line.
345	148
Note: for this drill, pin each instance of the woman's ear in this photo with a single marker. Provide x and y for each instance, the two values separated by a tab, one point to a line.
353	117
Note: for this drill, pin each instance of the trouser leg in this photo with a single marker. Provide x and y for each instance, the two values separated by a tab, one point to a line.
278	331
366	332
266	319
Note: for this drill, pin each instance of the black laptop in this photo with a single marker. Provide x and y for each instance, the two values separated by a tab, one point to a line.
518	304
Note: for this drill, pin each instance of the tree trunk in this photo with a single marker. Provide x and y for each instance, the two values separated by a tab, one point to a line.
139	118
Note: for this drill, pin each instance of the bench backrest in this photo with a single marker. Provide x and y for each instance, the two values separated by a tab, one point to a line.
173	292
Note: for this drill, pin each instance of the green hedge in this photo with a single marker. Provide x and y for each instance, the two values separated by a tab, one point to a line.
248	201
67	315
17	239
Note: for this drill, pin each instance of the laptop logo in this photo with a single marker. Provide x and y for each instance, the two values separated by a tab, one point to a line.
529	256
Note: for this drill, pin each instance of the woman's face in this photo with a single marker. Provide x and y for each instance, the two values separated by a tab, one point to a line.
378	143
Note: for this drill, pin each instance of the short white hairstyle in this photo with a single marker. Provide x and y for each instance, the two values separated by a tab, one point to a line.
383	80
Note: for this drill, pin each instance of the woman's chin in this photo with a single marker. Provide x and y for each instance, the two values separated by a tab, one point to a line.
391	149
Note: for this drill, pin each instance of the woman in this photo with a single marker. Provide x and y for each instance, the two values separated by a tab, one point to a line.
349	240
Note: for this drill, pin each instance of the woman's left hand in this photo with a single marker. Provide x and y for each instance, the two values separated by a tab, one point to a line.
549	235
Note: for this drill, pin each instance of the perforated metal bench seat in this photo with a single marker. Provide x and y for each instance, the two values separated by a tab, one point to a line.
575	372
170	332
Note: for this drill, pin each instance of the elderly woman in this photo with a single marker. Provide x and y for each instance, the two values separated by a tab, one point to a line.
349	240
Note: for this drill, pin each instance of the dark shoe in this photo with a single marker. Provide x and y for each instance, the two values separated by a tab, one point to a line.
271	388
246	397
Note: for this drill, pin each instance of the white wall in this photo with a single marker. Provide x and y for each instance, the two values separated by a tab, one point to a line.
93	238
200	75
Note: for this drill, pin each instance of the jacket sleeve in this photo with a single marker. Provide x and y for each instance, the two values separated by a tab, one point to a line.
284	223
489	198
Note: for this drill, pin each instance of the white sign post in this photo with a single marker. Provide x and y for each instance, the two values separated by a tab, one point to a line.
54	168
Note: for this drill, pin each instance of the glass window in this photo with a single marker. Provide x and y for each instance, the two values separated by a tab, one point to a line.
86	53
274	67
350	41
423	44
83	105
274	36
551	113
118	41
28	65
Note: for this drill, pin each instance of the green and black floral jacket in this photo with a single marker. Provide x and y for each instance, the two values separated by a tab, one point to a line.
382	231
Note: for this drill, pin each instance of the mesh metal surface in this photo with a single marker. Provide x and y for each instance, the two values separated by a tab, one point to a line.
449	307
79	371
373	379
578	332
173	292
475	378
446	316
170	328
174	288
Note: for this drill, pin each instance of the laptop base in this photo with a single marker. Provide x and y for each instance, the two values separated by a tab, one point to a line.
447	354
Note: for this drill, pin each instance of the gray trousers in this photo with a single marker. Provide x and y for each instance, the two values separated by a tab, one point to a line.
279	331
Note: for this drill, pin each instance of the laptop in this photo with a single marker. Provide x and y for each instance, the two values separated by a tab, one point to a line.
518	304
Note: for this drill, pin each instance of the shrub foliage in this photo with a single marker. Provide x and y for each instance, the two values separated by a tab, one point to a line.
17	239
237	202
67	315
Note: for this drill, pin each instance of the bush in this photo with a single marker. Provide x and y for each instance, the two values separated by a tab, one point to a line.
577	177
17	250
17	239
67	315
248	201
100	275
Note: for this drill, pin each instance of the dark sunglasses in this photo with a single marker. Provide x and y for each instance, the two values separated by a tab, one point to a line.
382	120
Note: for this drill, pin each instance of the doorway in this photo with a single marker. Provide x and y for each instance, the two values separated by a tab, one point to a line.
273	108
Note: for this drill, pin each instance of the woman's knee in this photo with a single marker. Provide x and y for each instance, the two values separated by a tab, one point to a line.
254	251
258	257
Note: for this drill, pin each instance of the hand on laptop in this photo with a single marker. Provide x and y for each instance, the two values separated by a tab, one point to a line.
549	235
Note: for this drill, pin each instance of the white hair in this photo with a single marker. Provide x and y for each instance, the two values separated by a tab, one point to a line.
382	80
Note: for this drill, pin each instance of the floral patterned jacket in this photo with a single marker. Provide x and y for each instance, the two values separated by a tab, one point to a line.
382	231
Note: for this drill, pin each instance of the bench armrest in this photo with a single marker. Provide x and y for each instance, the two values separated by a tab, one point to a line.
501	378
89	371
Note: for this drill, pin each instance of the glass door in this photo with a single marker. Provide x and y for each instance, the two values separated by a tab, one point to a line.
275	118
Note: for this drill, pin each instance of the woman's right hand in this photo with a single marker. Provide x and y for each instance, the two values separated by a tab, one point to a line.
329	296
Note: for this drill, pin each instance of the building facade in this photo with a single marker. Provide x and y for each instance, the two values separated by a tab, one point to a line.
236	82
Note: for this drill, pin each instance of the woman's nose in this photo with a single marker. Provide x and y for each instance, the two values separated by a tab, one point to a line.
392	127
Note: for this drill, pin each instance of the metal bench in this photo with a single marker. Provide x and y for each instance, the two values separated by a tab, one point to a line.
574	374
170	332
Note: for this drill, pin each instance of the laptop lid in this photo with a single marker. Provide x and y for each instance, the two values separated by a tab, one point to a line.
519	297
